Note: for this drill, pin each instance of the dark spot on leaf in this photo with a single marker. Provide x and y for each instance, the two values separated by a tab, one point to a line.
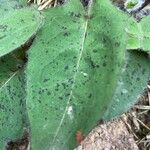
95	50
104	64
2	36
64	85
40	92
64	28
48	93
5	9
90	95
66	95
127	66
66	67
117	44
143	71
74	57
60	98
45	80
56	108
104	40
56	89
139	65
57	84
22	21
73	14
3	28
105	56
85	34
66	34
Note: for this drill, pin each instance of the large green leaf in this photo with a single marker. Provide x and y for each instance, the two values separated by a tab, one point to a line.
139	34
72	72
131	84
12	108
17	27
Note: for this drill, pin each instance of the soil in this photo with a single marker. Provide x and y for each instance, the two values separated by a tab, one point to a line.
130	132
109	136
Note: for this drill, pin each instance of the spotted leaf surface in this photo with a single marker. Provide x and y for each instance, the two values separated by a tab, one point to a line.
139	34
12	108
8	5
72	72
131	84
17	27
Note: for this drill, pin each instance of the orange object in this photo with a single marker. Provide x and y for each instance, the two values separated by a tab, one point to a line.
79	137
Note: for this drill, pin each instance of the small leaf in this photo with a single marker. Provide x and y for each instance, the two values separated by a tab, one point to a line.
133	81
17	27
129	4
139	34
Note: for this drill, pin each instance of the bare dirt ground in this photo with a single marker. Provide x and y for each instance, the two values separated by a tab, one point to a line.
130	132
110	136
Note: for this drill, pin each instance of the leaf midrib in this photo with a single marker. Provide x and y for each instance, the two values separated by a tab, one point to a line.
85	25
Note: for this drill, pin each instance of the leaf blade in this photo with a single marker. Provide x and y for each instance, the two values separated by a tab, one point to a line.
59	100
12	108
134	79
17	27
139	34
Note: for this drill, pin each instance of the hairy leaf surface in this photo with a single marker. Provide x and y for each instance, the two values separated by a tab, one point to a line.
8	5
73	68
131	84
12	108
17	27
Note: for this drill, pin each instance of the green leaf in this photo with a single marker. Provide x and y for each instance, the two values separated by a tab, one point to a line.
132	83
17	27
10	64
8	5
139	34
72	72
12	108
12	97
129	4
